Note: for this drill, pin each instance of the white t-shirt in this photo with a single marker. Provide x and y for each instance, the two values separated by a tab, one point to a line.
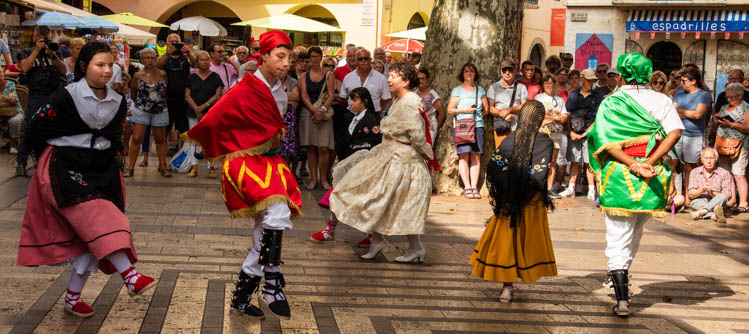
375	82
116	76
658	105
551	103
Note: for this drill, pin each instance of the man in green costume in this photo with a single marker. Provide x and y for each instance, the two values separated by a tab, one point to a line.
634	128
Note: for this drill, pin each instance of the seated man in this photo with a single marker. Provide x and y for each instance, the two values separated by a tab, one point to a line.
710	188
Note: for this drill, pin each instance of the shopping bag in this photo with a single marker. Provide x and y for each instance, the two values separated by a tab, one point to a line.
184	159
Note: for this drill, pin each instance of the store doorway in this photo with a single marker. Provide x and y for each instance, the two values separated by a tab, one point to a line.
537	55
666	56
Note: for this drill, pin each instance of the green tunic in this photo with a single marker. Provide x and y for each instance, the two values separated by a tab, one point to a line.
621	122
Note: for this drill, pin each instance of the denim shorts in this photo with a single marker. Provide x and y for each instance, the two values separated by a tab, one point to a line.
155	120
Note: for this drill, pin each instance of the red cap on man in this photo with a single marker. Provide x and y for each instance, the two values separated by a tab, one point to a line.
269	41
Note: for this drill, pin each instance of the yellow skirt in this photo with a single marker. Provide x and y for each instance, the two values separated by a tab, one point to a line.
503	253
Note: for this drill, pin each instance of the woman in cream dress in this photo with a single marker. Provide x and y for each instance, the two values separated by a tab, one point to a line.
386	190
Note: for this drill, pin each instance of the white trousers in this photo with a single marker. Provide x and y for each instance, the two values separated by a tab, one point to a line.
623	236
275	217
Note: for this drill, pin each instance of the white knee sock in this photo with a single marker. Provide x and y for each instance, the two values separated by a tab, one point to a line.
77	281
120	261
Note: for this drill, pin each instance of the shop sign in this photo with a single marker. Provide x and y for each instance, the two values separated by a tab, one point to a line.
592	49
688	20
368	12
578	17
558	18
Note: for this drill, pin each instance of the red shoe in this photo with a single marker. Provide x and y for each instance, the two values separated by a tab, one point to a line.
364	243
136	283
76	306
325	235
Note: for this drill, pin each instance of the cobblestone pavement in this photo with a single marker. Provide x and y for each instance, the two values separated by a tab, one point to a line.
688	277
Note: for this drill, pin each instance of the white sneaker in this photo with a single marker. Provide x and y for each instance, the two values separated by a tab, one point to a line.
592	194
569	192
13	150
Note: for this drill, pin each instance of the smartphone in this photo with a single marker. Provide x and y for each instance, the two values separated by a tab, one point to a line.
178	46
726	118
188	41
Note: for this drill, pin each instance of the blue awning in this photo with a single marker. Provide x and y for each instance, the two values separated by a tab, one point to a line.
688	20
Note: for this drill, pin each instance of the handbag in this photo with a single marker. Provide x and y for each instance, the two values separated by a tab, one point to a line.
8	111
465	129
728	146
501	126
322	98
554	127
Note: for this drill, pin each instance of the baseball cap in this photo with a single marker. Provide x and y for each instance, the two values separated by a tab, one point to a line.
588	74
612	70
507	63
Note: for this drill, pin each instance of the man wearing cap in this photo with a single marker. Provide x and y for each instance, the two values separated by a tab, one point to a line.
245	131
414	58
634	129
582	104
502	105
612	77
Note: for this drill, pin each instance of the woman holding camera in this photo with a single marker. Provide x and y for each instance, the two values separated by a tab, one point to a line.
733	126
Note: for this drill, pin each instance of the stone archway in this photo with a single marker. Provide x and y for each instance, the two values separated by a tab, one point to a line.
537	55
418	20
666	56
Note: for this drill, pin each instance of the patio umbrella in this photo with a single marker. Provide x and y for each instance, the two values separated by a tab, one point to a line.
289	22
418	33
403	46
130	18
55	19
96	22
203	25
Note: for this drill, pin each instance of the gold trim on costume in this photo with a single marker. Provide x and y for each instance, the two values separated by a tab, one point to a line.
264	204
620	145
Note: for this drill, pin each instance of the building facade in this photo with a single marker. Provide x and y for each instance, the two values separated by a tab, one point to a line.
708	33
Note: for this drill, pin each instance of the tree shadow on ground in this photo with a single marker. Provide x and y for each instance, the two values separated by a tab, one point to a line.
695	290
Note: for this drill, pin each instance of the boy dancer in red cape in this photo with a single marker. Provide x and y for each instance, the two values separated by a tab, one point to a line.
244	128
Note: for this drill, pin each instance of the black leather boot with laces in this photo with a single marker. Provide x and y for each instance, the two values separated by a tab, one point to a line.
273	297
620	279
246	286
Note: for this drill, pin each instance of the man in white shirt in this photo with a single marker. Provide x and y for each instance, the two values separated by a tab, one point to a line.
365	77
116	81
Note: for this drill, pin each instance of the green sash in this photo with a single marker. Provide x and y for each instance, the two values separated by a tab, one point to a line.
622	122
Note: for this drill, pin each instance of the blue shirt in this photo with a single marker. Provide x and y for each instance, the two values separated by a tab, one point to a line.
693	127
467	99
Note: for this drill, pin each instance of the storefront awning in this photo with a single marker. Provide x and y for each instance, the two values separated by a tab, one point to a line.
687	20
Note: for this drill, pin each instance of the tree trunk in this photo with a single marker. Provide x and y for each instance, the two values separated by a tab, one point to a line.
482	32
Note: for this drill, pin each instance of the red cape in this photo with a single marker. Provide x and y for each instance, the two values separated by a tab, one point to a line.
244	121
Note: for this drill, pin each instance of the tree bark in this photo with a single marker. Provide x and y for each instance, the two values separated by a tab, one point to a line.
482	32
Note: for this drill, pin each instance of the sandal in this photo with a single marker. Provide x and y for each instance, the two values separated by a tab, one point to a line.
741	209
468	193
475	194
325	186
165	172
143	163
128	173
311	186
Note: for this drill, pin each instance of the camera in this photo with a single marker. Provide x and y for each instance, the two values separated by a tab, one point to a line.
51	45
177	48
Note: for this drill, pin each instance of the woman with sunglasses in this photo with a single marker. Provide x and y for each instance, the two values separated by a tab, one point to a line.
658	82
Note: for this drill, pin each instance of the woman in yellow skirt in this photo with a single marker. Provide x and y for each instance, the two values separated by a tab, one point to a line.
516	242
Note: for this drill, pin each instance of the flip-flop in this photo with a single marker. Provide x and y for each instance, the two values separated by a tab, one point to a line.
741	209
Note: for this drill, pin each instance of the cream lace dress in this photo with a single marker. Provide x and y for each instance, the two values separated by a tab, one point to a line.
387	189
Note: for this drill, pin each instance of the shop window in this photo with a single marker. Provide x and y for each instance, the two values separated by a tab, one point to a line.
666	56
695	54
732	55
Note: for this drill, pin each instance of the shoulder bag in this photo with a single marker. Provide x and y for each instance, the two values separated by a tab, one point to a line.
465	129
322	98
728	146
501	126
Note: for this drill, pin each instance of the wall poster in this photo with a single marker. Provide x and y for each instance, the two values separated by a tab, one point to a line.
592	49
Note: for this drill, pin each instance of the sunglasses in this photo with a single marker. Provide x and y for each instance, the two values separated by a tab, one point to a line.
567	59
329	65
660	83
685	80
362	58
601	71
508	69
256	49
